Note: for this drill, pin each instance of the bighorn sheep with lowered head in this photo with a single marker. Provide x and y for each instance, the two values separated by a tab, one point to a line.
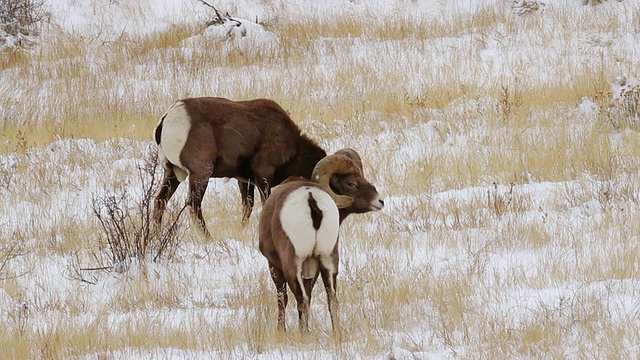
254	141
298	231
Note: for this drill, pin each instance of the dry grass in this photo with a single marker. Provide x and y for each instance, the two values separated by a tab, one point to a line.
511	225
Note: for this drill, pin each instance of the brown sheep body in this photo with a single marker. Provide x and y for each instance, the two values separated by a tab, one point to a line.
254	141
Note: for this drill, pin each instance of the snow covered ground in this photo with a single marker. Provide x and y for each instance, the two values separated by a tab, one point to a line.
503	236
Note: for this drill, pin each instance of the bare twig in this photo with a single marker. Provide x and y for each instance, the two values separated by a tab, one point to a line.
100	268
219	19
20	16
6	254
131	232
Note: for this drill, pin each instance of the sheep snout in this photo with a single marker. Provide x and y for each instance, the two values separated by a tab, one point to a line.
377	204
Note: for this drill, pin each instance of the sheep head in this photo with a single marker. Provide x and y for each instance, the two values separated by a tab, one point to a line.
342	177
327	167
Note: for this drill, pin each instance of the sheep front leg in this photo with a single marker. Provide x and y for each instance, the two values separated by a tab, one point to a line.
263	178
264	188
246	193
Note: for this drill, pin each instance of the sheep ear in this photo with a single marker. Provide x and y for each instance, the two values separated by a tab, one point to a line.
342	201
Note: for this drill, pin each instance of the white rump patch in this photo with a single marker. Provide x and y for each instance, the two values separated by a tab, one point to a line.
175	128
296	221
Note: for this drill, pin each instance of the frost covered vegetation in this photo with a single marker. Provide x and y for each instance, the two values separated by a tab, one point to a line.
505	142
19	20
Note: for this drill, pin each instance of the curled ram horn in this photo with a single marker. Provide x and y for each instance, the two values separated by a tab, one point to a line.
353	155
334	164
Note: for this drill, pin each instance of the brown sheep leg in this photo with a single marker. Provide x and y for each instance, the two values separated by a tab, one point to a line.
329	280
246	193
263	178
308	286
291	274
197	187
199	165
169	185
281	287
264	187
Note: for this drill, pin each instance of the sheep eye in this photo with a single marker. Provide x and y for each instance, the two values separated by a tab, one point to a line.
352	184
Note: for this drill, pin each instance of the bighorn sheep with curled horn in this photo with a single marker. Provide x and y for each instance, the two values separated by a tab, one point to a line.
254	141
298	231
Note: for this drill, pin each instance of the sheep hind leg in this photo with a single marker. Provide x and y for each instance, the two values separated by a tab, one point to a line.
329	276
197	188
309	275
281	287
293	274
199	167
167	189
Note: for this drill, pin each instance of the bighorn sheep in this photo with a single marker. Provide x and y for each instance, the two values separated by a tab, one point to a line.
298	231
254	141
